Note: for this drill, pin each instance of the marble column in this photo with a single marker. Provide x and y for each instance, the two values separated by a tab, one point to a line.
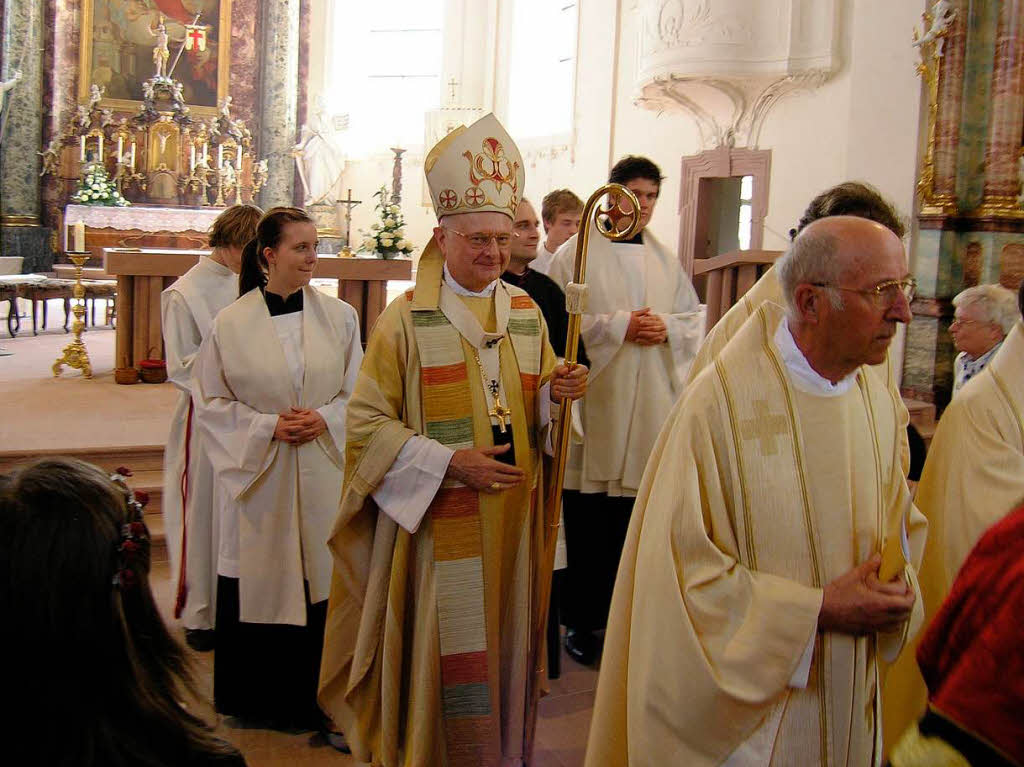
279	74
20	230
950	97
1006	122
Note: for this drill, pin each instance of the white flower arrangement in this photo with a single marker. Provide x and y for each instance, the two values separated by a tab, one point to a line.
96	188
387	237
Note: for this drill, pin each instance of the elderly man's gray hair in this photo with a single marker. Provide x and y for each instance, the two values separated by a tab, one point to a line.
811	258
994	304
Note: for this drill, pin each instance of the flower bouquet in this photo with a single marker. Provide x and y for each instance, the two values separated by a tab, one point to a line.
96	188
387	238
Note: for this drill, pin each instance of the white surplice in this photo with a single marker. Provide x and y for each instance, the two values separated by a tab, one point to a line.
632	388
277	502
542	263
187	309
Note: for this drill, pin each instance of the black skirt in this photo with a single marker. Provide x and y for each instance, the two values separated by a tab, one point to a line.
267	673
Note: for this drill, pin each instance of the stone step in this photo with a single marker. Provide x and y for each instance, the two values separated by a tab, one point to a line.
146	464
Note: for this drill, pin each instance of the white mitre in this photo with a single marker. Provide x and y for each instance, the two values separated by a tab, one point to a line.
475	169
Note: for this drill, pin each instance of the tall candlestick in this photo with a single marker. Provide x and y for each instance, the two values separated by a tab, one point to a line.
83	148
79	235
238	157
192	158
133	156
101	147
120	149
220	156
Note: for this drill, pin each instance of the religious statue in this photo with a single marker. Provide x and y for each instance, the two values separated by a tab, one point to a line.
941	15
160	52
225	108
4	87
318	159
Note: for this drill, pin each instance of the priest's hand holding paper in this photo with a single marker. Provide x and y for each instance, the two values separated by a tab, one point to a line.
857	602
646	329
298	426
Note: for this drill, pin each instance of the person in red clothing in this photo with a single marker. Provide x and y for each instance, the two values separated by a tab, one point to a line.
972	660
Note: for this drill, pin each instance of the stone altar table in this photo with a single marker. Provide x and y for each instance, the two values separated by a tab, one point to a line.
143	274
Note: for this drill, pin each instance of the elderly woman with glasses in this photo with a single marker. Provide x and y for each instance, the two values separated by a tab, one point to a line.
984	315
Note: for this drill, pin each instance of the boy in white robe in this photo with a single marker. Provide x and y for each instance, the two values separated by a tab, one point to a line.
641	330
187	309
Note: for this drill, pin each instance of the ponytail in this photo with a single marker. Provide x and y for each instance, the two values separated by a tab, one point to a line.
253	273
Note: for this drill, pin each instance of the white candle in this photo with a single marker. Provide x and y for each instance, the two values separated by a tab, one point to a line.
120	149
79	238
238	157
220	156
204	152
101	147
83	148
193	157
133	155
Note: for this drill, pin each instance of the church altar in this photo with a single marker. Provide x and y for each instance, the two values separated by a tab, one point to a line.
142	274
139	226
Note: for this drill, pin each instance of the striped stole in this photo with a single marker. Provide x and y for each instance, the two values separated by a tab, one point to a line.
472	729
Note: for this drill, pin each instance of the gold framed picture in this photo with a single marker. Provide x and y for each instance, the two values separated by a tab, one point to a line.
118	42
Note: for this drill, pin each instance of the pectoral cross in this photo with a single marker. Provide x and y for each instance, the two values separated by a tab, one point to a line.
764	427
499	411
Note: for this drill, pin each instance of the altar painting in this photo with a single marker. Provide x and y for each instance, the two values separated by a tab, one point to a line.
119	37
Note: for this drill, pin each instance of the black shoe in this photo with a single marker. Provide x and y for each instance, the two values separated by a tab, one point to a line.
581	646
200	640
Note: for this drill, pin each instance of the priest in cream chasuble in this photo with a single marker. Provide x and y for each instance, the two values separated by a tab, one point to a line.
760	524
972	478
437	545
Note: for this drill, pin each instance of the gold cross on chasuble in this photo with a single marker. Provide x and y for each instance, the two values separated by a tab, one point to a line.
502	413
764	427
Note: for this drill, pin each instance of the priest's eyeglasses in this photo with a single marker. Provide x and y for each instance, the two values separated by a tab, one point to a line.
480	240
884	293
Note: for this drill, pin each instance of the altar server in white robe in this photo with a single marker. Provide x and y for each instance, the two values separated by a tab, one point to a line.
187	309
641	331
770	559
273	382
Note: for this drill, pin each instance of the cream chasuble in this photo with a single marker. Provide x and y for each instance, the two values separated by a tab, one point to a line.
756	495
972	478
406	684
768	289
632	388
277	501
187	309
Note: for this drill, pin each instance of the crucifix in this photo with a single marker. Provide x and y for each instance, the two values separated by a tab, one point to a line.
451	84
499	411
349	203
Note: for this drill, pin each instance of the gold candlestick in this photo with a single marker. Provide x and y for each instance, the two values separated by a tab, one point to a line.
75	354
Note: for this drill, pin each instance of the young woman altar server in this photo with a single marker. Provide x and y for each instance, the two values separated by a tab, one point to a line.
273	382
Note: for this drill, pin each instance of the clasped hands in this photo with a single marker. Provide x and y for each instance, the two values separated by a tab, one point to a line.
298	426
858	603
646	329
476	466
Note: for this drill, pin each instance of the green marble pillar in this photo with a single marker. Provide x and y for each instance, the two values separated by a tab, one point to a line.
22	120
278	99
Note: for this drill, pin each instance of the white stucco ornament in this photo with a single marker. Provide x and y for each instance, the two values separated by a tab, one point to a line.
726	63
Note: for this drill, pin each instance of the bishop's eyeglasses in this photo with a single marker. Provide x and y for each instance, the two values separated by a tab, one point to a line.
480	240
884	293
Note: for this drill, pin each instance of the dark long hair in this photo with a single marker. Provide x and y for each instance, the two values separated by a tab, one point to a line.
253	273
97	677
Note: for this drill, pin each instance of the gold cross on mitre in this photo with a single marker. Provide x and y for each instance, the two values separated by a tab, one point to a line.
502	413
764	427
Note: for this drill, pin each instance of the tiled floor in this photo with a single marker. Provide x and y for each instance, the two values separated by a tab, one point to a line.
562	726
